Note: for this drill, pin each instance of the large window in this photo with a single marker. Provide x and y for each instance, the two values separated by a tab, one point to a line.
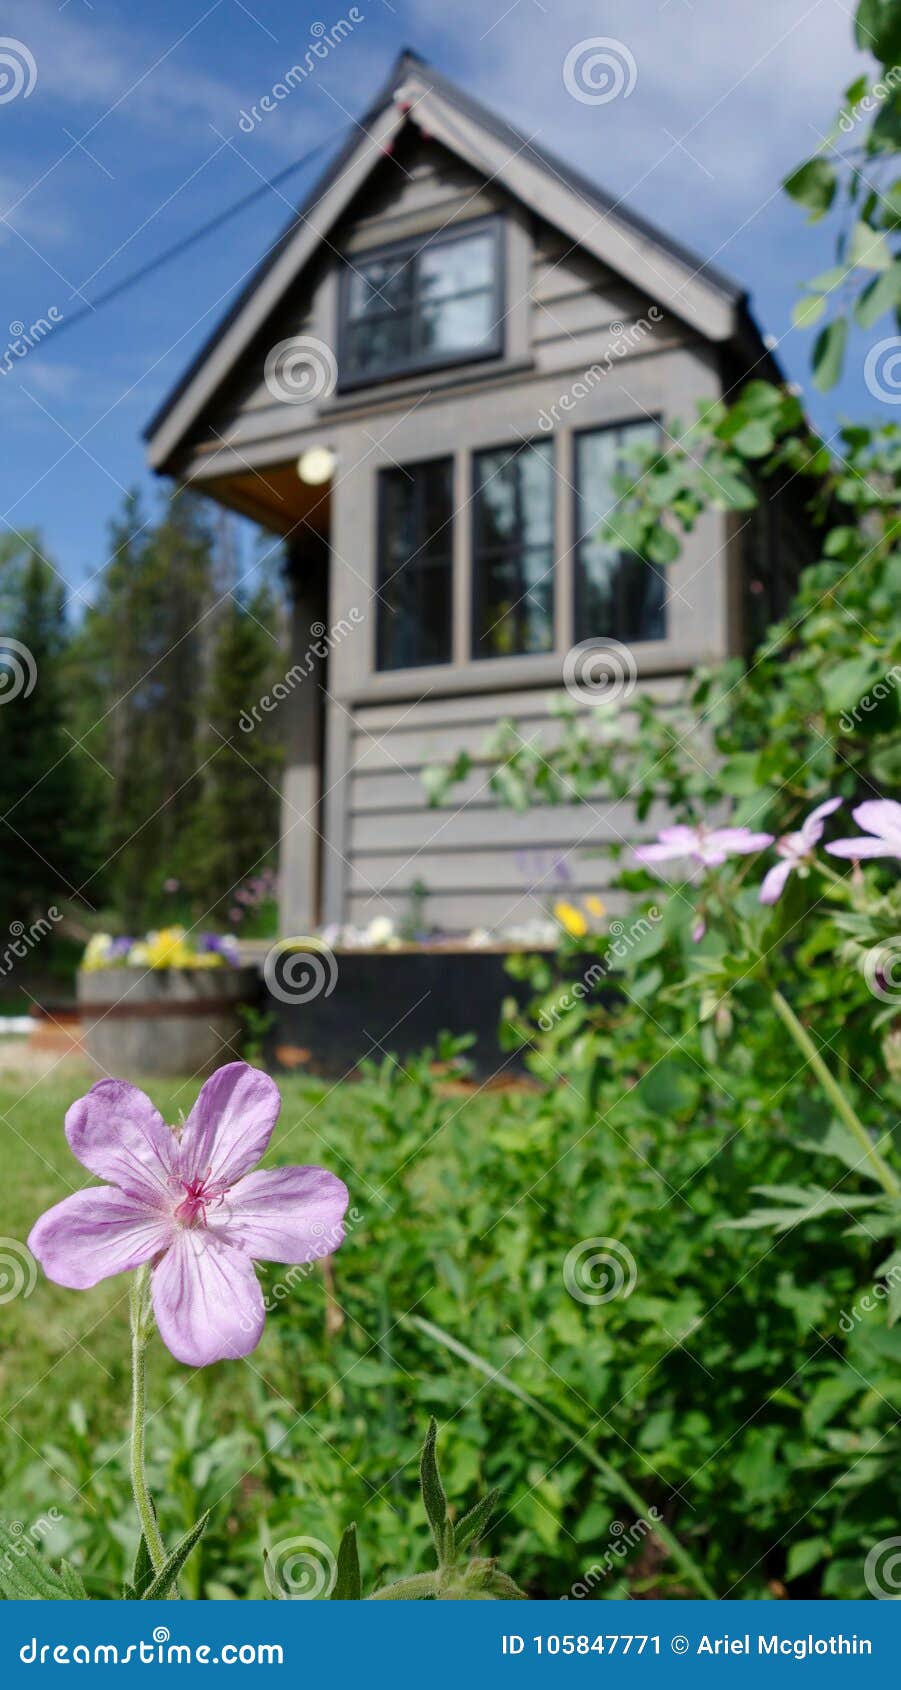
415	610
617	593
422	303
513	550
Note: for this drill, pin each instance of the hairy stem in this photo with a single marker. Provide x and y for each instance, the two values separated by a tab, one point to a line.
887	1179
139	1336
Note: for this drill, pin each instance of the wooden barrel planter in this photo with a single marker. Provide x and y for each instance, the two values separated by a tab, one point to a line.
165	1021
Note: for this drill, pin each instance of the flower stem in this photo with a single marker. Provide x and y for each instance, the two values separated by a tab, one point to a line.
887	1179
139	1336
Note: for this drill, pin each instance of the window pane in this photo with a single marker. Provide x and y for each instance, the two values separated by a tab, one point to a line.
379	287
618	594
452	325
415	566
457	266
379	344
513	561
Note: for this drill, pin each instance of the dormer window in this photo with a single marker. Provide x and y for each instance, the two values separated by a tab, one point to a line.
422	304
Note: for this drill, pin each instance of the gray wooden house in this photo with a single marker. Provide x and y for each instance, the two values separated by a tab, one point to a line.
425	389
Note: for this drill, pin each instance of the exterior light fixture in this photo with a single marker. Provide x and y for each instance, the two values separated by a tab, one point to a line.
316	465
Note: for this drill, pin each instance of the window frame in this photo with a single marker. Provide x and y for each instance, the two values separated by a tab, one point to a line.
578	539
420	565
477	452
413	247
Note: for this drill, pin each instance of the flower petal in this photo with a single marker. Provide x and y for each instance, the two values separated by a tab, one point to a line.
881	816
117	1134
863	846
287	1214
229	1126
207	1299
95	1233
773	884
812	827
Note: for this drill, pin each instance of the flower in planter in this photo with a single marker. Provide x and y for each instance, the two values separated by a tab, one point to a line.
881	820
169	947
571	918
797	851
189	1205
710	846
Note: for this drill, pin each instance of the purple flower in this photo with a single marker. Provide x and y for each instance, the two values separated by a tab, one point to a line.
119	948
710	846
189	1205
796	850
220	944
881	820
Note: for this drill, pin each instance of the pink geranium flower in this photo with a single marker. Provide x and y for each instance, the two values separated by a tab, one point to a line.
881	820
189	1205
707	845
796	850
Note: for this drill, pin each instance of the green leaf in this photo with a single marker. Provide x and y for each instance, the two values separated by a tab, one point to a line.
868	249
142	1572
755	440
804	1555
813	185
829	354
808	310
433	1495
25	1576
348	1585
473	1525
163	1581
880	295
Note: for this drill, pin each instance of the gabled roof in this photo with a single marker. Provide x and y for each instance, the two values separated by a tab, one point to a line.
709	301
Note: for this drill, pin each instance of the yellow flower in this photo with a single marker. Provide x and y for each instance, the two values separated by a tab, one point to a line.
168	948
96	952
595	905
572	919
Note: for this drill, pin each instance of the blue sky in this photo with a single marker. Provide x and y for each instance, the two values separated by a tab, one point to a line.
130	137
